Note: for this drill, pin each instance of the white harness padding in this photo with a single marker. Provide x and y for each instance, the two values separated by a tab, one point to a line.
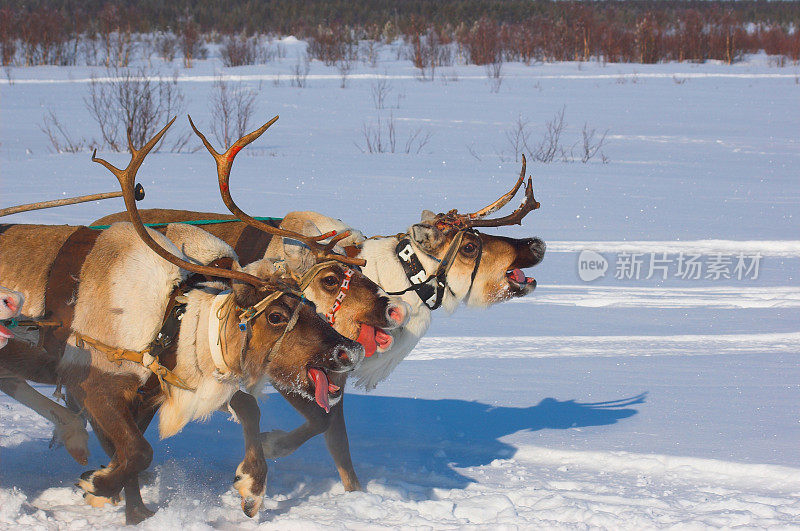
214	340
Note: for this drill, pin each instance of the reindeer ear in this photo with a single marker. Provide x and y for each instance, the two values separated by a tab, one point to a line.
299	257
427	215
427	236
246	294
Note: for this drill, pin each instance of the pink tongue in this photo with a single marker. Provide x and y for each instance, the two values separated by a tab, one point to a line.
320	388
5	332
517	276
367	338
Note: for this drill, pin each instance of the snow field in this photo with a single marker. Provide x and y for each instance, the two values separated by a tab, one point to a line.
612	404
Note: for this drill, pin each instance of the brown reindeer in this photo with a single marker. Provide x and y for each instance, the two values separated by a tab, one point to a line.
483	269
367	305
261	329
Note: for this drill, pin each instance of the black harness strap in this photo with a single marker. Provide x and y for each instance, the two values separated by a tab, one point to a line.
431	288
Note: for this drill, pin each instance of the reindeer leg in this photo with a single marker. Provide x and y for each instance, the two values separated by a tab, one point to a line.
105	397
69	427
251	474
135	509
278	443
339	447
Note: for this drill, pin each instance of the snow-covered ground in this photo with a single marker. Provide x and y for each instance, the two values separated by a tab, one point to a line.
618	403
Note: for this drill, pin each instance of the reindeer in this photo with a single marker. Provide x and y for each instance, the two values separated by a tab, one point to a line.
441	262
259	329
367	307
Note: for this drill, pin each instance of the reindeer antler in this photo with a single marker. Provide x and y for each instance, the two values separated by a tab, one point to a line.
504	199
225	161
529	204
127	179
453	219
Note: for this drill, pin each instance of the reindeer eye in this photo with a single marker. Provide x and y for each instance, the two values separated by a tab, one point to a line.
469	249
276	318
330	281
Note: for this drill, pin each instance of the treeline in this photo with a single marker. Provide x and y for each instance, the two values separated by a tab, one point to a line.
484	31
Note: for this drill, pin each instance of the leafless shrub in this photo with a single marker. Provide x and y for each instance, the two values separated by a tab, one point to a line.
344	66
380	91
370	52
449	77
679	80
518	137
300	71
167	46
381	137
232	107
494	73
191	43
134	101
89	47
417	140
472	152
239	50
550	145
60	139
590	145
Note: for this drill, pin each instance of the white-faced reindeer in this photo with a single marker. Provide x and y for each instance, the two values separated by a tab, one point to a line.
480	270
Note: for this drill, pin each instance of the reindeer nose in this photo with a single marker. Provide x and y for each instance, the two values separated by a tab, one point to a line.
342	356
397	313
11	303
537	247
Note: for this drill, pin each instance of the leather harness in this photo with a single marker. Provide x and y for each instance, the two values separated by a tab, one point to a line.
431	288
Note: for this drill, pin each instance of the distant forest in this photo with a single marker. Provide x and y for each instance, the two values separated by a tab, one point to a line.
485	30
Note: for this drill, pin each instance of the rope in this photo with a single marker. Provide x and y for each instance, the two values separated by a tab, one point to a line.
190	222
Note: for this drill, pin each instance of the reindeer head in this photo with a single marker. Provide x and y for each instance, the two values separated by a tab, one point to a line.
353	304
482	269
288	342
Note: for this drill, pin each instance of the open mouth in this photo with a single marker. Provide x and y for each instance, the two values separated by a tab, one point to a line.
518	280
324	389
372	338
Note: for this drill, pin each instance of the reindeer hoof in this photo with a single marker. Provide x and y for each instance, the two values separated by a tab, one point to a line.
136	514
247	486
271	444
95	495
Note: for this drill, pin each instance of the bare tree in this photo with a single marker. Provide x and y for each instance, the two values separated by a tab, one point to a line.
60	139
518	136
591	146
381	137
344	66
380	91
135	101
494	73
300	71
550	145
232	108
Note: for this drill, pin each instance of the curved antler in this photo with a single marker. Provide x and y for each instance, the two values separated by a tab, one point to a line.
529	203
225	161
126	180
504	199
